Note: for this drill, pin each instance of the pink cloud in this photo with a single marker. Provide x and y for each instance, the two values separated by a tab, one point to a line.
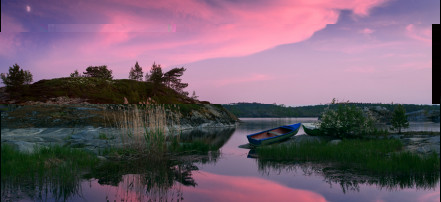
367	31
10	24
418	33
204	31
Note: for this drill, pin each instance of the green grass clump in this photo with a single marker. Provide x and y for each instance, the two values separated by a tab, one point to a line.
54	171
102	136
18	164
375	156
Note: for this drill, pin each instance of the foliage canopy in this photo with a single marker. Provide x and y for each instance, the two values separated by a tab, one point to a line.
399	118
346	121
136	73
98	72
16	77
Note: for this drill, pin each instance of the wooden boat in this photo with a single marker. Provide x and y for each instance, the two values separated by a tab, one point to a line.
311	129
274	135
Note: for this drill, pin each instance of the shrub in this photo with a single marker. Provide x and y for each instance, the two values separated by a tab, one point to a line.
399	118
346	121
75	74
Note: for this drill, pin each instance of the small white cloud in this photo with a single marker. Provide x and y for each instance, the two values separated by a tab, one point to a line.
28	8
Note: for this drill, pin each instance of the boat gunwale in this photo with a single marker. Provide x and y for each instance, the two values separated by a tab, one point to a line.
286	127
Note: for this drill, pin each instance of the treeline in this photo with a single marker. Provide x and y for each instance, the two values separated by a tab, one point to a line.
244	109
156	76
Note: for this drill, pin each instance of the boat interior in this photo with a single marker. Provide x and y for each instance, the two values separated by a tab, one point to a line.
271	133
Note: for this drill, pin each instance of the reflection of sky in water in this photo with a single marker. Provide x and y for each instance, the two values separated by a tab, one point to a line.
234	177
234	162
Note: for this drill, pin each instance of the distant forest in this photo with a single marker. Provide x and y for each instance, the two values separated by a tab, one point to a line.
273	110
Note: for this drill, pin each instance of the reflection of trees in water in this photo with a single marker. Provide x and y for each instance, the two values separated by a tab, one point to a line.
216	137
56	184
145	180
350	179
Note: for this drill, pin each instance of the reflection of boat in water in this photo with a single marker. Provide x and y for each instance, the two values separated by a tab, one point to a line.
311	129
274	135
252	154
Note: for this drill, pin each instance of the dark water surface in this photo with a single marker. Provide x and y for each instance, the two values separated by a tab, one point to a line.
228	175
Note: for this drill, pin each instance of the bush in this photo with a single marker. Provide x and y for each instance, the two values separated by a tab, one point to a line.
99	72
399	118
346	122
75	74
16	78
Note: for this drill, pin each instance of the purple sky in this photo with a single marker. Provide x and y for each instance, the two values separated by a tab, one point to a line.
289	52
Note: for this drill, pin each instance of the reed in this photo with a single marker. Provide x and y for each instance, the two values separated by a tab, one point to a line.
147	129
52	172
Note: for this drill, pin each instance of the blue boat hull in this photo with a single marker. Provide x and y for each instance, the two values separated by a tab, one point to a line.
270	136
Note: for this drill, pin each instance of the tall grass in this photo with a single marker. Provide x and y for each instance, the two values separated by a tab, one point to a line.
374	156
146	128
53	172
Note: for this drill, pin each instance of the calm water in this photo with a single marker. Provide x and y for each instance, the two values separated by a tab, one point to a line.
228	175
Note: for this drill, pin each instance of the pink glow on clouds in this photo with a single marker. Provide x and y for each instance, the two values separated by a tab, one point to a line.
213	187
420	34
202	31
220	32
367	31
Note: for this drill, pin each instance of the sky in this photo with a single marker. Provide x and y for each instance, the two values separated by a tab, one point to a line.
292	52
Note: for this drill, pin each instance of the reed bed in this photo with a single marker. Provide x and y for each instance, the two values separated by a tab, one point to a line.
48	172
375	156
148	129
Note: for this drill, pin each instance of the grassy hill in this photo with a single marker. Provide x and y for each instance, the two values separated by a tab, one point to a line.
97	91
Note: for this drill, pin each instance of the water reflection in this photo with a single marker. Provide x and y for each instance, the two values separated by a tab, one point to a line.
145	180
214	187
350	179
141	180
53	184
215	137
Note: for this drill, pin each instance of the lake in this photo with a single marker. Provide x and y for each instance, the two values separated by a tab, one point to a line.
229	175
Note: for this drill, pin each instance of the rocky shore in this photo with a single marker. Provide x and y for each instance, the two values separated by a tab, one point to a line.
91	126
103	115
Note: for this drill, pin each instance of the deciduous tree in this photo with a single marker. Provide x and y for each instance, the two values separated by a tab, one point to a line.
16	77
399	118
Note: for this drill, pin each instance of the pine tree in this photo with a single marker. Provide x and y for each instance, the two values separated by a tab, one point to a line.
136	72
172	80
156	75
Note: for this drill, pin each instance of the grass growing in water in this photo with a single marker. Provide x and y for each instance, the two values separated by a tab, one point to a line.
148	130
373	156
54	168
